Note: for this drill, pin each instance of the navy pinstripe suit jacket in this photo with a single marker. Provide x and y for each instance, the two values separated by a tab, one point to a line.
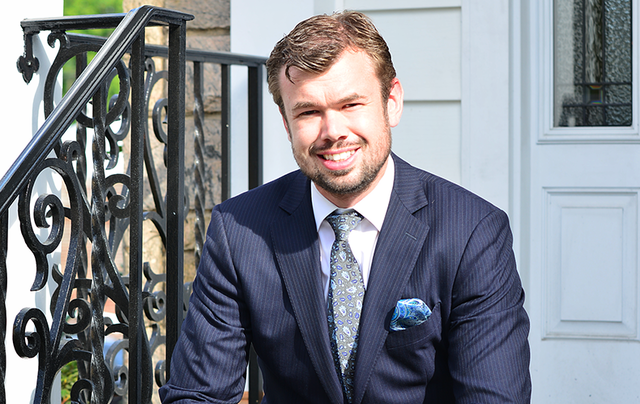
259	282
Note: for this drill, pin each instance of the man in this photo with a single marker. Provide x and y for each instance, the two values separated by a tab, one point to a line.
407	294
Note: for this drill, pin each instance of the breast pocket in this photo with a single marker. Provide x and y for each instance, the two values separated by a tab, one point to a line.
430	330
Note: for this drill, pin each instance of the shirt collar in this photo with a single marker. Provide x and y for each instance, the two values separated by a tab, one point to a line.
373	206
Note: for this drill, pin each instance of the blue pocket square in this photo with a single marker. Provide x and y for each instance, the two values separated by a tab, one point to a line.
409	313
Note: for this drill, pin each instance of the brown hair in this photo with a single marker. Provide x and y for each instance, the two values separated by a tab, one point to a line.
317	42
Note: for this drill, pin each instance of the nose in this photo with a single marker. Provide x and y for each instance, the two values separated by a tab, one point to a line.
334	126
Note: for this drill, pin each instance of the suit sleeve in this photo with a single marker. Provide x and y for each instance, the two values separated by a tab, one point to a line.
489	351
209	362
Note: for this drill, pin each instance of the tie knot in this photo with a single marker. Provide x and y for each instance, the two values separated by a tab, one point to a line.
343	221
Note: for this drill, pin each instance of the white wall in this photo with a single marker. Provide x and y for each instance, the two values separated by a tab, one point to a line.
256	26
424	38
487	164
21	112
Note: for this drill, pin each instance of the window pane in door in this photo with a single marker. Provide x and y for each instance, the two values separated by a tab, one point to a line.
592	63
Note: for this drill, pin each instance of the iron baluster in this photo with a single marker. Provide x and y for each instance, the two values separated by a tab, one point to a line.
101	379
225	131
138	125
4	236
175	186
255	125
199	166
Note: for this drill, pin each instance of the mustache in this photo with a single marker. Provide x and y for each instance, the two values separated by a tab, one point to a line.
340	144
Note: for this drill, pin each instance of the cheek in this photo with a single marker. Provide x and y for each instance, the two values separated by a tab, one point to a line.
301	136
298	143
373	121
375	131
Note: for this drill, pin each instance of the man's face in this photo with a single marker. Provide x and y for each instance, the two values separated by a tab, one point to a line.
339	126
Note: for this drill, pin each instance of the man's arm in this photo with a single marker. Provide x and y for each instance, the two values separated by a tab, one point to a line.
488	347
210	359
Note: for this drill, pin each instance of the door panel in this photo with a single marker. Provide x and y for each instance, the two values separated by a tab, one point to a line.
583	240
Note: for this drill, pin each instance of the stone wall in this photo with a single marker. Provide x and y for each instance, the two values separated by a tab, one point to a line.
208	31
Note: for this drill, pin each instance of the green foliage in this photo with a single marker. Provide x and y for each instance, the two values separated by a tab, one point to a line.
68	376
83	7
89	7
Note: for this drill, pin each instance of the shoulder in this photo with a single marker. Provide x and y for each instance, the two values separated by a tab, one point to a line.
266	201
441	196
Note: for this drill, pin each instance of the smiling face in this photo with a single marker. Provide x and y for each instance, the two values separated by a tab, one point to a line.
340	126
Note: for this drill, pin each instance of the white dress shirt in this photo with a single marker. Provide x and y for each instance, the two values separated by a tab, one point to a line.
364	237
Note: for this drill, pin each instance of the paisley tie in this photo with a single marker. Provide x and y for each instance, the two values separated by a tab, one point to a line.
346	294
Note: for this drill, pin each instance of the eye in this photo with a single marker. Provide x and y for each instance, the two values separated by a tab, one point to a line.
307	113
351	105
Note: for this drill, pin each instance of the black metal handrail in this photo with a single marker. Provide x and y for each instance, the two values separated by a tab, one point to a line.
128	29
116	202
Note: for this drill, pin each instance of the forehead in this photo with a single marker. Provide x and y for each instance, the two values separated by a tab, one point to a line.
353	71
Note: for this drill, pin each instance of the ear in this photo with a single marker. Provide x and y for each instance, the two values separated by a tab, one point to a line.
395	102
286	124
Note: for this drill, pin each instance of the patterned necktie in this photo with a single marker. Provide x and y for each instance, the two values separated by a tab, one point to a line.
346	293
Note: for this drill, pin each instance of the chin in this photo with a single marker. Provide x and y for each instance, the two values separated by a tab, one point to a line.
342	186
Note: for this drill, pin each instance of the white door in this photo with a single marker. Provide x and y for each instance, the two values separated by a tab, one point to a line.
581	178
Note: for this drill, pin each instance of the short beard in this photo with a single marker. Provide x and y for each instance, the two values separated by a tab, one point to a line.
328	183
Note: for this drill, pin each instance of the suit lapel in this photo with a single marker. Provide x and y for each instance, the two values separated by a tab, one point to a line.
296	247
403	235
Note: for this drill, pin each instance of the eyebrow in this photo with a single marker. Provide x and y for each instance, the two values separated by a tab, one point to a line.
303	105
307	104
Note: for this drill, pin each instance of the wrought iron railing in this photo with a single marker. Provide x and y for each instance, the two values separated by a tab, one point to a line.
106	212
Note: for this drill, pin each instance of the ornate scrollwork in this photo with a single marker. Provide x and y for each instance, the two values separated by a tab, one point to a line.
51	206
30	344
154	301
50	213
82	386
78	308
114	358
76	296
88	221
37	343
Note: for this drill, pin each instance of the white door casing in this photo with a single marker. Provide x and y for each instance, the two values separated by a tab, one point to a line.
579	228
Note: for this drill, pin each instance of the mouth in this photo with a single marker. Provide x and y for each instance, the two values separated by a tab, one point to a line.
338	157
